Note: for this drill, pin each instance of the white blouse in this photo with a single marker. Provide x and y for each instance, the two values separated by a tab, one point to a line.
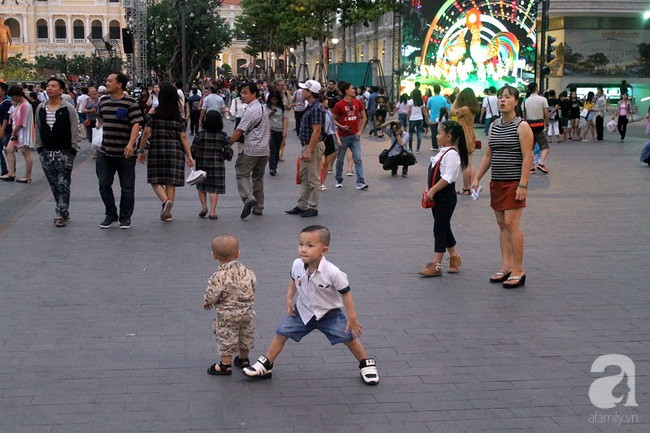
450	166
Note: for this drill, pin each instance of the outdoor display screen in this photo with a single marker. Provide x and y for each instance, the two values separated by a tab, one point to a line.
469	43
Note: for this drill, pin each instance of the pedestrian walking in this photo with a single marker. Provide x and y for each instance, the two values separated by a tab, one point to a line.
623	111
210	149
350	118
120	117
509	154
279	121
253	154
168	149
5	126
22	135
57	145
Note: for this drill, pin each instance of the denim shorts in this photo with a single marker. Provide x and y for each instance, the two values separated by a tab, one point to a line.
331	324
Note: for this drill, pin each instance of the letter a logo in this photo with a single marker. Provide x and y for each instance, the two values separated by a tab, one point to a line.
601	390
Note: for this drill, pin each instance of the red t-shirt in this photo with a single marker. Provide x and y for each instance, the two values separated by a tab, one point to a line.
347	114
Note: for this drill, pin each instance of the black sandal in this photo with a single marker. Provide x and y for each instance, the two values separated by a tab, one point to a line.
464	191
223	369
500	277
241	362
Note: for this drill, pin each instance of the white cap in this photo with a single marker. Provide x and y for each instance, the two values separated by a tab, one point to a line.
101	89
312	85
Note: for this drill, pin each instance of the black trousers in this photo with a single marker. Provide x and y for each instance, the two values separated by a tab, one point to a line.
600	120
622	126
445	204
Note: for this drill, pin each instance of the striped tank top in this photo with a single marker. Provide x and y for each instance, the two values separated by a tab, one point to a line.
506	150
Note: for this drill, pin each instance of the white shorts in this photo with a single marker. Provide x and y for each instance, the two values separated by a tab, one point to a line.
553	128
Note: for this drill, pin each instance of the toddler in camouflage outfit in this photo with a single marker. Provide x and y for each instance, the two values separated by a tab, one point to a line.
231	290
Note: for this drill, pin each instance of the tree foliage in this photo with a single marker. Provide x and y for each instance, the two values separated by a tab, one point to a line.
207	35
18	69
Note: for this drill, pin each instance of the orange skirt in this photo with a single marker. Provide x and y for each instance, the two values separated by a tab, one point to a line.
502	195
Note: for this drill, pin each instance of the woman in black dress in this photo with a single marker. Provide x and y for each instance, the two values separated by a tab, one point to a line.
210	148
168	146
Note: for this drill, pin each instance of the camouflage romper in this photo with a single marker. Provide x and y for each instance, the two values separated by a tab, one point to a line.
232	291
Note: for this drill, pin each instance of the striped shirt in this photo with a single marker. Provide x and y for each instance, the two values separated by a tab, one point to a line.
50	116
256	126
118	116
506	150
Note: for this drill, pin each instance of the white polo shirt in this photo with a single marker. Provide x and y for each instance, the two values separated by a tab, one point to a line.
319	292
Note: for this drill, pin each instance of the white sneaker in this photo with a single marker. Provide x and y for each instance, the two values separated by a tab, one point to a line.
362	185
338	185
323	187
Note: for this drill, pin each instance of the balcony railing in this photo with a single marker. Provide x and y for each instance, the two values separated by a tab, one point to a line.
16	40
43	40
60	41
79	41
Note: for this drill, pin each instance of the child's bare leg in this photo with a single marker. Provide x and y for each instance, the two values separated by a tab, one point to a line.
357	349
226	359
276	346
213	203
243	354
204	205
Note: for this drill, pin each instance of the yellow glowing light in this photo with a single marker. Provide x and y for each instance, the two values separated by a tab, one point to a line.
472	18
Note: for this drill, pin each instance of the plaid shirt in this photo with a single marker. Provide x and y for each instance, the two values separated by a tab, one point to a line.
314	114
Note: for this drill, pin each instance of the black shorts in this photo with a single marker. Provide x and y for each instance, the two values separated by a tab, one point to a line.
330	147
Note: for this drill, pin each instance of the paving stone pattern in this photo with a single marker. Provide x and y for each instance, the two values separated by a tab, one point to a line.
103	330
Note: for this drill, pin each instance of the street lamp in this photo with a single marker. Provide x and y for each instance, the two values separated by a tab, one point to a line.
183	45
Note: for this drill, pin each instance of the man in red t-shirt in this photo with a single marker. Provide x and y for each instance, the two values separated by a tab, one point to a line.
350	118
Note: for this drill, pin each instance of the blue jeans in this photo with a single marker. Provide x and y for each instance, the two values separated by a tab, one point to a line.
354	144
106	168
403	119
332	324
3	163
488	122
415	125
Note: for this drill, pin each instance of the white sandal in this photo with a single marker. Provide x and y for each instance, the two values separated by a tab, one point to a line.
368	370
260	370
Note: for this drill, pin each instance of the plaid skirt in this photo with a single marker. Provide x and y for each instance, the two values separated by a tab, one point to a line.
166	163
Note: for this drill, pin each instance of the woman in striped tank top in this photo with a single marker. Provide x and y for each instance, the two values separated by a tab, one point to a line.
510	150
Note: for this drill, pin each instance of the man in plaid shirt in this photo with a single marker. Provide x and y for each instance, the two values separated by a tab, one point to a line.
311	139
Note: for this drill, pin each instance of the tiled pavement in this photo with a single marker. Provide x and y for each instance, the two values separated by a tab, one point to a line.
103	330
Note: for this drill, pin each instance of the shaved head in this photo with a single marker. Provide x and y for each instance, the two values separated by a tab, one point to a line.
225	248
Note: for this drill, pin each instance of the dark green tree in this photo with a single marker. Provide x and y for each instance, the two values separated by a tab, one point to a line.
207	35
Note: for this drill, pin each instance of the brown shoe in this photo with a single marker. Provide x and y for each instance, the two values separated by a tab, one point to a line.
432	270
454	264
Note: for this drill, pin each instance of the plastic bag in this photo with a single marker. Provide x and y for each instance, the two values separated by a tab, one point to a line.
612	125
97	137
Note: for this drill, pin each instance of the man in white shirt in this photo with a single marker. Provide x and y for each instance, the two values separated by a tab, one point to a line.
535	109
211	102
490	110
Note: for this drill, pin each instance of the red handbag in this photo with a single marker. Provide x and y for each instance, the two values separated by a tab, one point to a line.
426	203
478	145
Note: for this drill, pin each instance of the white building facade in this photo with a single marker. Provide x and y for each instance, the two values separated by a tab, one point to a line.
54	27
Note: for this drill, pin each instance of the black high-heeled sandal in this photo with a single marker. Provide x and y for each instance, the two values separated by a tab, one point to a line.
501	277
520	282
8	178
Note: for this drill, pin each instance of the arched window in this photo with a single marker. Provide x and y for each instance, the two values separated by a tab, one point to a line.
14	28
41	29
78	30
96	31
114	30
60	30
